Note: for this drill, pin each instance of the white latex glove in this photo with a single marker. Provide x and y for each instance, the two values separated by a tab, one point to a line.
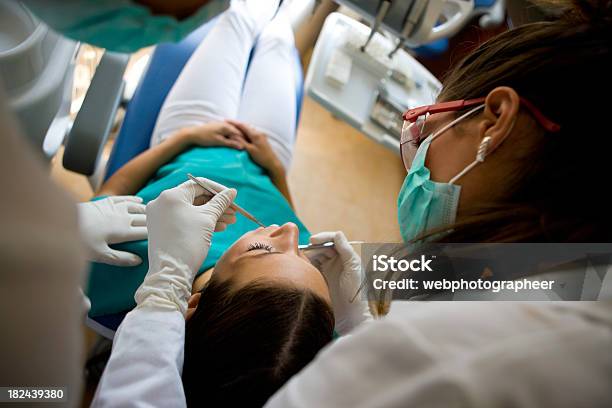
180	234
341	266
109	221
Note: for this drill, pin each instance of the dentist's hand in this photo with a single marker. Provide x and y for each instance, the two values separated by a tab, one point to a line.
341	266
111	221
180	234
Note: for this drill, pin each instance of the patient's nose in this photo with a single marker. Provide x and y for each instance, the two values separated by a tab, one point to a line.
286	237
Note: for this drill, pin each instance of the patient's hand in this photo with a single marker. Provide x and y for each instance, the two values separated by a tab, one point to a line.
214	134
256	143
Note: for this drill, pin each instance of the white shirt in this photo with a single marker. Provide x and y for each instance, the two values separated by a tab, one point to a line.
145	366
465	354
472	354
425	354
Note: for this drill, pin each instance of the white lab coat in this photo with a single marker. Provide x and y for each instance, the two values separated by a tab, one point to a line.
145	366
43	264
541	353
465	354
425	354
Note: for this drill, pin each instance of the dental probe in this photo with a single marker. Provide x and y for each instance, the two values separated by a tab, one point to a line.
383	9
410	21
232	205
308	247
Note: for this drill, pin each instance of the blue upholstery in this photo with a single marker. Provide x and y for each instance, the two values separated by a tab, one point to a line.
432	49
111	322
166	64
484	3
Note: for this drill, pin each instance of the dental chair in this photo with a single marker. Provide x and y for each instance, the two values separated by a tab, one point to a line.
36	70
37	67
165	65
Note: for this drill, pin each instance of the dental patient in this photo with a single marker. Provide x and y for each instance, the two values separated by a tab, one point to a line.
264	311
263	315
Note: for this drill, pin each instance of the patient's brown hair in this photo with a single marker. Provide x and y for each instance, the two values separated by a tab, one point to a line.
242	345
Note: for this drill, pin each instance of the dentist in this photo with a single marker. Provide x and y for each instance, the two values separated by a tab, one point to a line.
44	243
147	357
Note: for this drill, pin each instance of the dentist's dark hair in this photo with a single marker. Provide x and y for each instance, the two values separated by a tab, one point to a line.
561	188
242	345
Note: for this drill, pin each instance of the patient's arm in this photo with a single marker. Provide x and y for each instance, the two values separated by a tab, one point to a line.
261	152
134	175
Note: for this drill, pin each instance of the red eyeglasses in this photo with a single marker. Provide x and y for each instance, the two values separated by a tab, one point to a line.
414	122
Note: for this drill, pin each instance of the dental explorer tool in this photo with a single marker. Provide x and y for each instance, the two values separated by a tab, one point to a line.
329	244
234	206
383	9
412	18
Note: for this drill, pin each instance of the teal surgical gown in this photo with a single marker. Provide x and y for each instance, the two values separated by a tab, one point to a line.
111	289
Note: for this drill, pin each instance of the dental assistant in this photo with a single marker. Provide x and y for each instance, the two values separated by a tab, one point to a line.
147	356
45	240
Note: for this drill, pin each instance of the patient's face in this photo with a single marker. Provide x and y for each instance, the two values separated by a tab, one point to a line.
272	254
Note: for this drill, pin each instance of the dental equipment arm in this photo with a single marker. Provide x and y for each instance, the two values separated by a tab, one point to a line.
341	267
147	357
137	172
383	9
111	221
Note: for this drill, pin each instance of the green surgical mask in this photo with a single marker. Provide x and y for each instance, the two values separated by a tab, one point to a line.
119	25
424	204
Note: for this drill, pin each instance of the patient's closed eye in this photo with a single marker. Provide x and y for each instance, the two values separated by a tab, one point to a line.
260	245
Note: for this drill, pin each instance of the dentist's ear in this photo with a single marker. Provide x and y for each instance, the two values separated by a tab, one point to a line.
501	111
